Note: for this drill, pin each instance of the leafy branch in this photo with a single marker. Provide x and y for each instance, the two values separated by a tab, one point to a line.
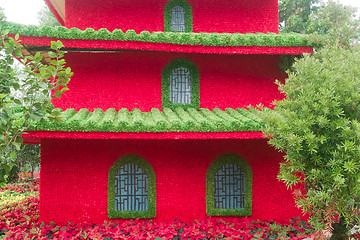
26	92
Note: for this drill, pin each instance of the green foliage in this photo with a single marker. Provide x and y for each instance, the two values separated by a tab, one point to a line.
168	120
330	23
47	18
334	24
188	15
9	173
2	15
287	61
165	84
201	39
132	159
220	161
27	90
28	158
317	127
294	14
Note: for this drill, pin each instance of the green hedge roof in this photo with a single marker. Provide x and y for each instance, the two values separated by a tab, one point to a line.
204	39
178	120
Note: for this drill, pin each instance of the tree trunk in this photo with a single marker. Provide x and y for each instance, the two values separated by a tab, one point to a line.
340	230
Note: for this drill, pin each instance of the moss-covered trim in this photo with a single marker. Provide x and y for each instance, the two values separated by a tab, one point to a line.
195	39
224	159
167	120
151	212
165	84
188	15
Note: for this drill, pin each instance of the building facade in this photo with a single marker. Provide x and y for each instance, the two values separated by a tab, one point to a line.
156	124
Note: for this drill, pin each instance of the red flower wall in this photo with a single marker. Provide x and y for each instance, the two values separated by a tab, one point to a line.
74	177
133	80
208	16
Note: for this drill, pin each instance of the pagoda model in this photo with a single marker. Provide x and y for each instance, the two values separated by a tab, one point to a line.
155	121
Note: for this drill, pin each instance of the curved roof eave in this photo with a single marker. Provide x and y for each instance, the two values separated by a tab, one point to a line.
42	44
57	7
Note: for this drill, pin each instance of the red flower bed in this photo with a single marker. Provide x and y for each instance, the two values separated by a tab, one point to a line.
29	186
20	221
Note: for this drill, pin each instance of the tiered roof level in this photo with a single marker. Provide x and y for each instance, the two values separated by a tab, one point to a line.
113	46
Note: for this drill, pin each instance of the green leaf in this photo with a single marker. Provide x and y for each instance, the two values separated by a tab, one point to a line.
16	145
7	168
12	155
58	93
17	101
68	70
34	116
52	54
17	53
37	57
59	44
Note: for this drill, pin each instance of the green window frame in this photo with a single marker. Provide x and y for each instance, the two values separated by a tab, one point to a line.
165	84
188	15
210	189
146	167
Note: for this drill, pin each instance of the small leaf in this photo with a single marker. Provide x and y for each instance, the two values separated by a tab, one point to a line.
12	155
17	101
52	54
17	53
59	44
68	70
16	145
58	93
37	57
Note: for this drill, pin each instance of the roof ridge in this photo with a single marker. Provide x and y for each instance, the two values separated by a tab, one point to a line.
195	39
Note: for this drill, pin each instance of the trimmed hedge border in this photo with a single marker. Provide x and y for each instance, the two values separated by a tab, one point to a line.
134	159
165	84
188	15
168	120
220	161
201	39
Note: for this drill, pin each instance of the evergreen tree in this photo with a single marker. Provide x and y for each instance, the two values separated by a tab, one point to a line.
317	126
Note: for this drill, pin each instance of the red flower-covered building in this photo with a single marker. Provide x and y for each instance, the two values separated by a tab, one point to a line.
155	121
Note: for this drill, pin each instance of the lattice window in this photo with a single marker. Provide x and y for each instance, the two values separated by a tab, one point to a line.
131	189
178	21
229	187
180	85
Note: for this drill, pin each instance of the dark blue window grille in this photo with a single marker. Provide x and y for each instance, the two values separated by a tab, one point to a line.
180	85
131	189
229	187
178	19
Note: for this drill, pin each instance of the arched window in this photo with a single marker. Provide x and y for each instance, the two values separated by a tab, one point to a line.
229	187
180	84
178	16
178	19
131	189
